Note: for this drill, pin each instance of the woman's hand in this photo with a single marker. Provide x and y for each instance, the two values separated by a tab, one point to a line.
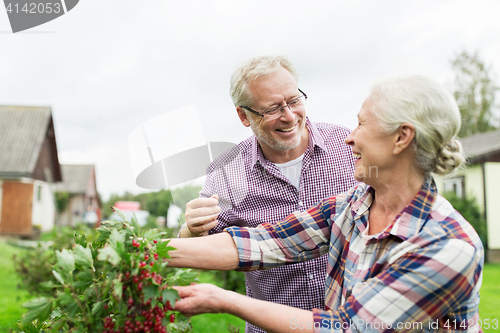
201	298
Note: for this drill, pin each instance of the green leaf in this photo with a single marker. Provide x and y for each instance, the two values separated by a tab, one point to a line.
72	310
83	256
58	277
110	255
84	279
150	292
121	250
170	295
116	237
120	214
162	249
39	308
65	298
150	234
57	326
136	226
67	303
118	289
97	308
184	277
102	238
65	261
81	239
49	285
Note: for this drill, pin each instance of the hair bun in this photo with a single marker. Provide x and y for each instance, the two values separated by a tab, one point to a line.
449	157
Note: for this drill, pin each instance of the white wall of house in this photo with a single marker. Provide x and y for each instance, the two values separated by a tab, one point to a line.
44	208
492	173
76	208
474	184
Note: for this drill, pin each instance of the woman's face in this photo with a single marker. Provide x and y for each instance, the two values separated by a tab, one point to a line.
372	148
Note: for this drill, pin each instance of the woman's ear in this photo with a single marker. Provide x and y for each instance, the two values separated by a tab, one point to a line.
243	116
405	135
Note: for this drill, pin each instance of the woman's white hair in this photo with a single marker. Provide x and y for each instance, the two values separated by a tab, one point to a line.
251	70
433	111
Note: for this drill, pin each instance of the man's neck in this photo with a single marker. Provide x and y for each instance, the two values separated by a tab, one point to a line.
283	156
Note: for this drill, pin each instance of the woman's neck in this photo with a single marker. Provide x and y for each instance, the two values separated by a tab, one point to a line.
391	197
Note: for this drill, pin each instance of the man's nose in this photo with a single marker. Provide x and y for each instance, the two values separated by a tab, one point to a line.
287	114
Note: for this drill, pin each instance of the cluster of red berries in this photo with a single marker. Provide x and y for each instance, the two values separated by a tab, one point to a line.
148	321
141	316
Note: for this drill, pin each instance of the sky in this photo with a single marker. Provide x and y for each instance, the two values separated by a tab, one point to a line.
106	68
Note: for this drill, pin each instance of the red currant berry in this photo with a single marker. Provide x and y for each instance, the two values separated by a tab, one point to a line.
172	318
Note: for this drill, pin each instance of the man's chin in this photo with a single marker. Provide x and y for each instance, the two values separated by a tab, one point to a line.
285	145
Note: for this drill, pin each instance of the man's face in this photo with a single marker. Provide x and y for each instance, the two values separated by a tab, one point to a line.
271	90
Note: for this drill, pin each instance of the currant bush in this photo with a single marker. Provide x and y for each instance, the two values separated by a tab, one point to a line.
118	283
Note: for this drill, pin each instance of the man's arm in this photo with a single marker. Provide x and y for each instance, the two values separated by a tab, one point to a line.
216	252
272	317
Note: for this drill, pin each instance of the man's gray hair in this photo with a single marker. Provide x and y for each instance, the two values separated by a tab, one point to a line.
251	70
433	111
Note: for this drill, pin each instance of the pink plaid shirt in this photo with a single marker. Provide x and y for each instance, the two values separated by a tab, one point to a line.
252	191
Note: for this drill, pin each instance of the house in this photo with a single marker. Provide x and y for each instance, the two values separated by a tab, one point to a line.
28	169
84	205
481	179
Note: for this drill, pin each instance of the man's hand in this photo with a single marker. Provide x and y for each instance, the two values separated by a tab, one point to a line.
201	216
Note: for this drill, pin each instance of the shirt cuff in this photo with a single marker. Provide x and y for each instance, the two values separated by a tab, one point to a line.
250	257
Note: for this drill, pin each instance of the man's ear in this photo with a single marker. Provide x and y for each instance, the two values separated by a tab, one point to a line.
404	137
243	116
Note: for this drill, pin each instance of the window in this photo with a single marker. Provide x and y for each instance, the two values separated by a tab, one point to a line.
39	193
455	185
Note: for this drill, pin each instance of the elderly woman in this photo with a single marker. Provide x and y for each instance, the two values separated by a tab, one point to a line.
400	257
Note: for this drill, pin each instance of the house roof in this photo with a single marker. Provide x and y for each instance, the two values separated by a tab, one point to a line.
481	147
22	132
75	178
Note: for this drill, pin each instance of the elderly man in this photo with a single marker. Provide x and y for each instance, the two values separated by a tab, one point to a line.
288	165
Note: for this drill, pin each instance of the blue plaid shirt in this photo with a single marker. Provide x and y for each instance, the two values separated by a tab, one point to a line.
422	273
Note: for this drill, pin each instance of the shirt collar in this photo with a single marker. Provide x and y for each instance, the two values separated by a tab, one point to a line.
315	139
411	219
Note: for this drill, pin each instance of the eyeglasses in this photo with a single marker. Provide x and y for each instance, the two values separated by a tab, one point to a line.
276	112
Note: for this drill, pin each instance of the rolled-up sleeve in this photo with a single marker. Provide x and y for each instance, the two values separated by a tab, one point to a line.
300	237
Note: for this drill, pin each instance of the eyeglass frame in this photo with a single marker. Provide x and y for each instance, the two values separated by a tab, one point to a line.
281	108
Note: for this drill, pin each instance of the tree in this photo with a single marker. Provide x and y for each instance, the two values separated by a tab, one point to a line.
475	92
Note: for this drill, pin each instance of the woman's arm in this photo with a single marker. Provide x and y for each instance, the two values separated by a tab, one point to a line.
216	252
272	317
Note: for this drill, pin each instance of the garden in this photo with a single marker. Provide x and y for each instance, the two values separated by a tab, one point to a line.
112	279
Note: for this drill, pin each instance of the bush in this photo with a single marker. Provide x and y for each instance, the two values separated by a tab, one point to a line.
232	280
35	265
117	283
469	209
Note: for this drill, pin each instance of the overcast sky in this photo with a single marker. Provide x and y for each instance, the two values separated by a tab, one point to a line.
108	66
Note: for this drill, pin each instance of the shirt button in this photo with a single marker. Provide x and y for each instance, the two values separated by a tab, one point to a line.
301	203
311	276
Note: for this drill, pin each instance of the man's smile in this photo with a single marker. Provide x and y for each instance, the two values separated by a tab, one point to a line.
287	129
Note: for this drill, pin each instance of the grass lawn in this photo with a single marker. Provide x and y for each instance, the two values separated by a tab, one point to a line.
489	307
11	298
